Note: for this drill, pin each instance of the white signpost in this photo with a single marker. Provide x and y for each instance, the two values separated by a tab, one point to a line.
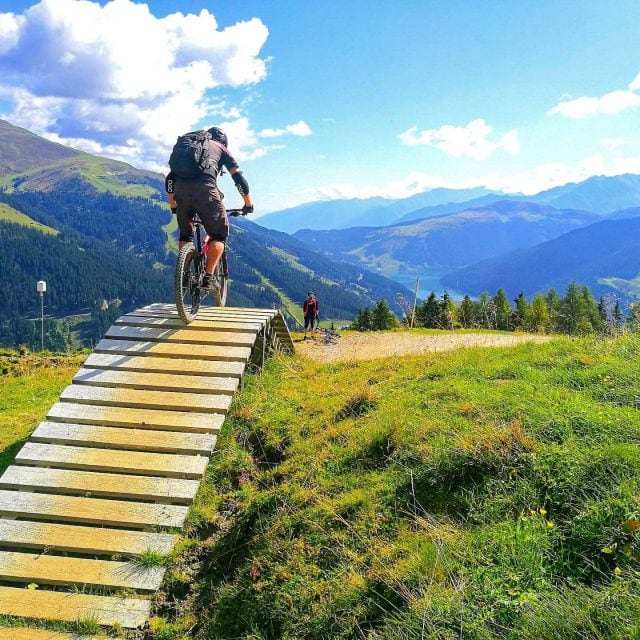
41	287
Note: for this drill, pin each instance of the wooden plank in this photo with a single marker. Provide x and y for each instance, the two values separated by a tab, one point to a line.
177	366
87	483
129	613
136	418
181	336
131	320
134	462
213	313
156	381
138	399
204	310
25	633
46	569
88	540
88	435
228	320
174	350
118	513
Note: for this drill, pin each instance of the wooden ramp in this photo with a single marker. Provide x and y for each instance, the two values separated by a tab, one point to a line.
96	495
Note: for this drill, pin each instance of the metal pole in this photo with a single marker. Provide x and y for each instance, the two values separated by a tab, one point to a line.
42	321
415	302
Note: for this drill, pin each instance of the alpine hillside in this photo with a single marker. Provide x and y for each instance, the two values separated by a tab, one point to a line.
99	232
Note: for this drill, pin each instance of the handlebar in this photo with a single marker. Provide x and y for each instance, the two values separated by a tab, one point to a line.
235	212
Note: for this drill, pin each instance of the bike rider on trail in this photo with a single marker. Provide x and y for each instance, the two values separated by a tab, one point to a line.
195	190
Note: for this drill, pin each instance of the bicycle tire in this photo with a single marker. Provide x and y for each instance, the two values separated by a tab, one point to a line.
220	295
187	281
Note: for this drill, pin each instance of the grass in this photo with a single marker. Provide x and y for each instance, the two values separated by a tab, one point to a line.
150	558
30	384
480	493
9	214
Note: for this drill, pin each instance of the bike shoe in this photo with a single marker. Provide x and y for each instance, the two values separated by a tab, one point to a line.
210	282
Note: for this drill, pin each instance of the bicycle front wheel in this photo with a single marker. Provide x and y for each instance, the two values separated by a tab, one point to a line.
188	279
222	273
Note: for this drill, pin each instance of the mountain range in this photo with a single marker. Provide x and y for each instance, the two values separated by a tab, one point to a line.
95	228
599	194
449	241
603	255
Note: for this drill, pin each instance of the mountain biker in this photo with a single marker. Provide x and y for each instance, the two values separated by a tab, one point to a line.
311	310
201	195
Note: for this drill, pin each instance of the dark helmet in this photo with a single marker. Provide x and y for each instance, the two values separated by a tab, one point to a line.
219	136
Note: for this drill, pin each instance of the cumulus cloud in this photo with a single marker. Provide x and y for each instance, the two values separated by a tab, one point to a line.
609	103
471	140
115	79
300	128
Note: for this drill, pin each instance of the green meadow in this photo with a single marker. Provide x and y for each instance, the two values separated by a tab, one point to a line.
481	493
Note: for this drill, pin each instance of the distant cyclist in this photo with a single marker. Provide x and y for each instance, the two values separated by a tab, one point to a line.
311	310
196	161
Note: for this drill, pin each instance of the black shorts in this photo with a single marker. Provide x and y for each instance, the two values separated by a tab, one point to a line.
201	196
310	321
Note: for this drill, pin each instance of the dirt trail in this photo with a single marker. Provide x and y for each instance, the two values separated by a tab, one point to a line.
368	346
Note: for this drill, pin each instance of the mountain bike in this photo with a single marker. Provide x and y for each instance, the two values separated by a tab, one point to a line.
191	269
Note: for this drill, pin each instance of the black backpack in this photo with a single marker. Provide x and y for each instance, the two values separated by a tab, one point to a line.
190	156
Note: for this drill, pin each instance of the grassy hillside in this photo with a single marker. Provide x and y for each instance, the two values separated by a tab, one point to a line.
9	214
473	494
449	241
32	163
30	384
604	256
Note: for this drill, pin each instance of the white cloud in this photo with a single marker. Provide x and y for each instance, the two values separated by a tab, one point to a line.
546	176
469	141
300	128
608	104
612	143
101	77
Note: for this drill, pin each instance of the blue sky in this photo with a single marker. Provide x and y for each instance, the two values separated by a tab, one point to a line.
339	99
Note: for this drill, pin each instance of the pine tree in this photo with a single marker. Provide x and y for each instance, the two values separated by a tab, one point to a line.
448	311
553	305
520	311
590	312
537	315
466	313
366	321
573	316
382	317
618	318
502	310
428	312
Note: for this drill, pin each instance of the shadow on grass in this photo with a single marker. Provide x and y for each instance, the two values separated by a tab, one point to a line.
8	455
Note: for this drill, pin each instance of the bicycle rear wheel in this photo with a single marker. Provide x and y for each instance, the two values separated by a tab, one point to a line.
188	278
222	273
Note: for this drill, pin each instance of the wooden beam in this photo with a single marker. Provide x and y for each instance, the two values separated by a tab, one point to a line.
116	513
136	418
26	534
156	381
134	462
88	435
177	366
17	566
174	350
138	399
88	483
129	613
